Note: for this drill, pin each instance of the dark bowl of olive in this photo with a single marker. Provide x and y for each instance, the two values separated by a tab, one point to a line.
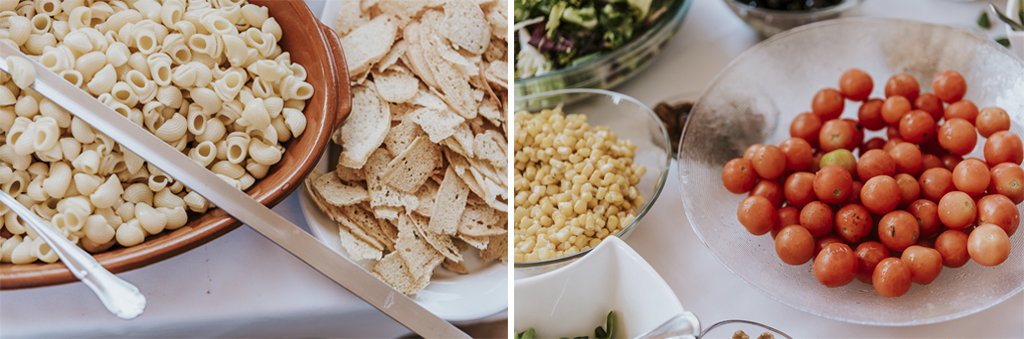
770	17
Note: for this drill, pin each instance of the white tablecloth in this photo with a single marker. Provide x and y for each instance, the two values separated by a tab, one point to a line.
239	285
710	37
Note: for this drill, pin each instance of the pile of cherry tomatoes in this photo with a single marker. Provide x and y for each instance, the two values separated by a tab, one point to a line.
909	205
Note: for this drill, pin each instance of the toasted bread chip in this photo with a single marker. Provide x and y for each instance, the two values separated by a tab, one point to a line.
457	267
400	137
392	57
350	16
496	13
405	9
440	242
491	110
481	221
387	212
380	193
466	26
390	230
338	193
497	248
365	128
396	85
348	174
357	248
449	204
368	43
426	195
497	74
370	226
413	166
419	256
394	271
479	243
439	124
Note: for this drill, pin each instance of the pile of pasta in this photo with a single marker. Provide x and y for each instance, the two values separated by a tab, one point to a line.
206	76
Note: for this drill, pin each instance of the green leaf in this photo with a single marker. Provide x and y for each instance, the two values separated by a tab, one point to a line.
611	324
1003	41
983	21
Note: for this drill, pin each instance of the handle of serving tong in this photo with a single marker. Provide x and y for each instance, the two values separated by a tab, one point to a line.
119	297
341	69
683	325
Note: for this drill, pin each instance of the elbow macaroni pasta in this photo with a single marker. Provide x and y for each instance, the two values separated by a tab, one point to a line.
205	76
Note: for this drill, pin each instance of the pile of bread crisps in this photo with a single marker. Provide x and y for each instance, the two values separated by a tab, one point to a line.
422	175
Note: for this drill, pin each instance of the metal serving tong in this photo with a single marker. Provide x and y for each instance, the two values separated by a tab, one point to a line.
236	203
120	297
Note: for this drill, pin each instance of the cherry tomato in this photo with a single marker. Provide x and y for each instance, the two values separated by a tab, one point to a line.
815	162
998	210
855	193
823	241
1008	180
971	176
957	136
952	245
926	213
739	176
770	189
949	161
853	223
798	154
788	215
833	184
988	245
925	263
935	183
898	230
794	245
991	120
932	146
799	189
957	210
870	114
855	84
874	163
757	214
837	134
873	143
836	265
749	153
891	278
1004	146
910	190
930	103
816	217
880	195
894	108
858	134
869	254
949	86
917	127
929	161
963	109
904	85
908	158
769	162
828	104
806	126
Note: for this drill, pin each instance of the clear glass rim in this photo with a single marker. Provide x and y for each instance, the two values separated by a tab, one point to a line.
662	178
678	8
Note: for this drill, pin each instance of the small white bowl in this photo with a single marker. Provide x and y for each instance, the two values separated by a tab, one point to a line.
1016	37
571	301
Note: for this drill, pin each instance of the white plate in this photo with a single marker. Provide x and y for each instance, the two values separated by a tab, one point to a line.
453	297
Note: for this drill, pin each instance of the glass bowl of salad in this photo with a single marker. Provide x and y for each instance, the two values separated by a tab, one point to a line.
591	44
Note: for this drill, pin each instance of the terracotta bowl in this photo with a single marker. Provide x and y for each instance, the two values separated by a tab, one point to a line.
316	48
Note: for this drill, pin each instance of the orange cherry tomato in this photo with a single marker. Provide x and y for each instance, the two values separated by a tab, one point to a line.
853	223
870	115
1004	146
1008	180
963	109
855	84
949	86
828	104
738	176
869	254
988	245
769	162
894	108
806	126
816	217
898	230
798	154
926	212
770	189
908	158
799	189
836	265
957	210
904	85
757	214
874	163
794	245
891	278
930	103
935	183
925	263
998	210
991	120
880	194
833	184
788	215
957	136
952	245
917	127
910	190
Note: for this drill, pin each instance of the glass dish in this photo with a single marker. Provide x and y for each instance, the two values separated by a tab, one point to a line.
629	119
753	101
615	66
769	22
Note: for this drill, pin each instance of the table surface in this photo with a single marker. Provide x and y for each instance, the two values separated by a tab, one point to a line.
710	37
239	285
